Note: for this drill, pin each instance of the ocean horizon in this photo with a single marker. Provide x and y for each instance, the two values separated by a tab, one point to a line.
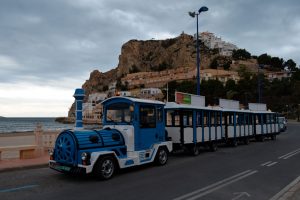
28	124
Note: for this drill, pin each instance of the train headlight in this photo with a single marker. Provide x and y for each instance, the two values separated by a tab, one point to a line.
84	156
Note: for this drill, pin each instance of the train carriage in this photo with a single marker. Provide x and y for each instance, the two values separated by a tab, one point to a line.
266	125
237	125
191	127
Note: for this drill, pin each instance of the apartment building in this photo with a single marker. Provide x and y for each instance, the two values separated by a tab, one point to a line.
214	42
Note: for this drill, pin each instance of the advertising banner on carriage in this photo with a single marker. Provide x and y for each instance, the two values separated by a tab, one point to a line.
190	99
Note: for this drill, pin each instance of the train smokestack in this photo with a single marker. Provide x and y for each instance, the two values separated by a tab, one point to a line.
79	96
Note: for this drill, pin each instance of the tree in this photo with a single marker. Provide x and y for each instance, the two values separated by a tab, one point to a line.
264	59
277	63
212	90
241	54
214	64
290	64
243	72
226	65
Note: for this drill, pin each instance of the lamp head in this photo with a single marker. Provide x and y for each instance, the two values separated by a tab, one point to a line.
192	14
203	9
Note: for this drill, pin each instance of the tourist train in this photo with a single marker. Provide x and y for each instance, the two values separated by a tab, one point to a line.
139	131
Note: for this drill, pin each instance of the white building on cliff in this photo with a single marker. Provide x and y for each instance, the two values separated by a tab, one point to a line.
214	42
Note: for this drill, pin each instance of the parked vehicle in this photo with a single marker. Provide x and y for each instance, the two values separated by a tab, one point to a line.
282	124
139	131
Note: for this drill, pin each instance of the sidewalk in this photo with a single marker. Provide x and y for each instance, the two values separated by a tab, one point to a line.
290	192
14	164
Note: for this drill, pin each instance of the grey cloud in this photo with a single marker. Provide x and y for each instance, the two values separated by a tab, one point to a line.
54	39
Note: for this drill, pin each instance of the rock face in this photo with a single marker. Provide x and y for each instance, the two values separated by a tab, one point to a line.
99	81
153	55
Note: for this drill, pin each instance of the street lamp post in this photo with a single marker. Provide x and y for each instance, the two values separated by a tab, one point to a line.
194	14
259	83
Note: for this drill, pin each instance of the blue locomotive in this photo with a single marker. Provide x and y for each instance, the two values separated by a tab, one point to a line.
133	134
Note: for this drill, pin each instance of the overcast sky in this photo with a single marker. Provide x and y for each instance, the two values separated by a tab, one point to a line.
48	48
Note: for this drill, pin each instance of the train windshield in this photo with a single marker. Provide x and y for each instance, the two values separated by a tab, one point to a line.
119	113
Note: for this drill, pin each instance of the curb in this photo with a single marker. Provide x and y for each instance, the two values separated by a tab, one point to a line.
23	167
288	191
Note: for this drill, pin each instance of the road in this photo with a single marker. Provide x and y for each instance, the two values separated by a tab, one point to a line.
255	171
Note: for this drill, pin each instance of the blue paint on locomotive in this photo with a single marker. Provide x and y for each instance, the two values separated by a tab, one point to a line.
70	144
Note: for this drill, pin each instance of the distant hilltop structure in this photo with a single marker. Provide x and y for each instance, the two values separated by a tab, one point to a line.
213	42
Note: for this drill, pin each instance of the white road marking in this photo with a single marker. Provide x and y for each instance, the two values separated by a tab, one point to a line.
266	163
291	153
18	188
220	184
240	194
271	164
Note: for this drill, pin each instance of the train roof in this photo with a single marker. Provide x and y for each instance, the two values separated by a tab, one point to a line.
173	105
261	111
118	98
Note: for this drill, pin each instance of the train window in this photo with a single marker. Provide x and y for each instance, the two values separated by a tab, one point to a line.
264	119
258	119
240	119
176	119
199	119
147	117
118	113
205	118
159	114
217	118
230	119
212	118
170	118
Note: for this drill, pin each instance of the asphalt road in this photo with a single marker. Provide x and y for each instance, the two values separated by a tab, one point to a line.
255	171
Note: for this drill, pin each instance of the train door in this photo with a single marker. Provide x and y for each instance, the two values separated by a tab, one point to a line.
149	127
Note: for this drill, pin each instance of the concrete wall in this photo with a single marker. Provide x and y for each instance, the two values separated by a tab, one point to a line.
24	146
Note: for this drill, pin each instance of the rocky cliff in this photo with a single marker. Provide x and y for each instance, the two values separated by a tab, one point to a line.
150	55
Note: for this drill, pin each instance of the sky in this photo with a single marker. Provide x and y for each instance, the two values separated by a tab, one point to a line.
49	48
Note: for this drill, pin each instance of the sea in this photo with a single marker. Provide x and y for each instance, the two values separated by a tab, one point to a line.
27	124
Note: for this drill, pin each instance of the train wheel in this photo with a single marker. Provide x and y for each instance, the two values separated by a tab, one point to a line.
273	137
195	150
161	156
246	141
105	167
234	143
213	147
